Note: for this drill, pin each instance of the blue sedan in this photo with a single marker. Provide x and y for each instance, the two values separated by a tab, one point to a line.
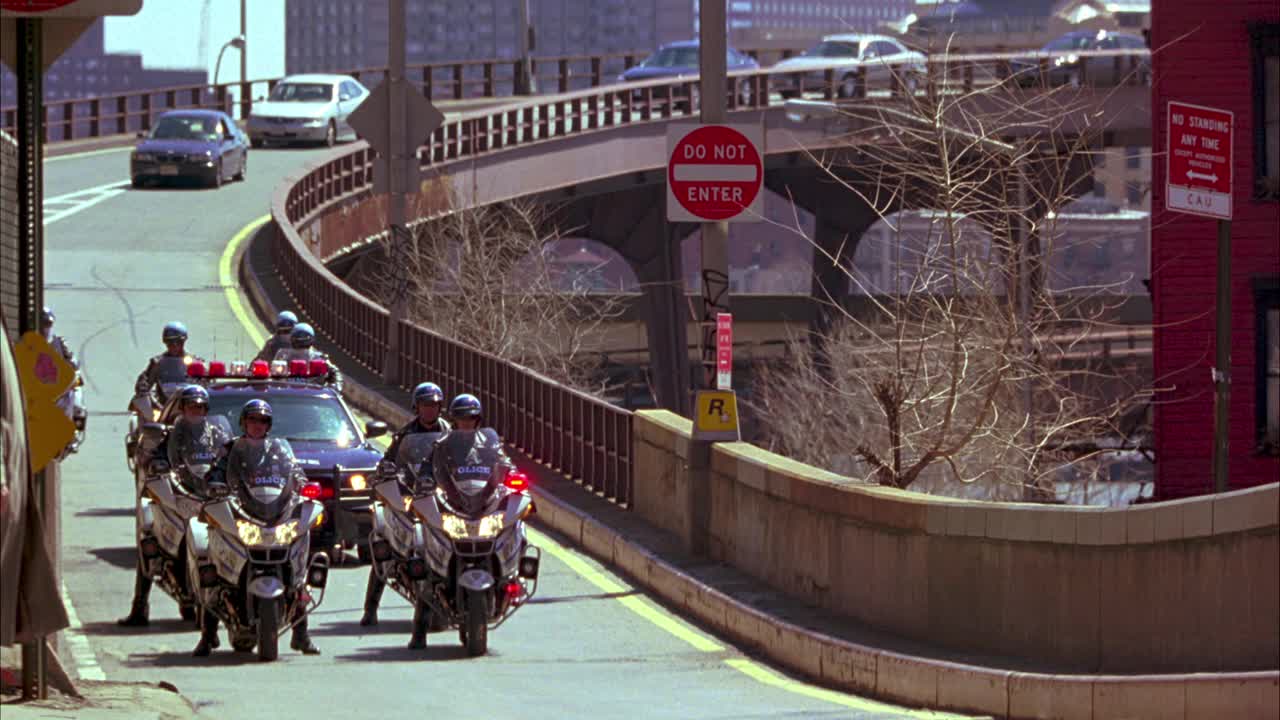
680	59
204	144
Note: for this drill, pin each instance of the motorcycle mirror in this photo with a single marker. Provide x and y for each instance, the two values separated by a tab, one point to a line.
375	428
153	431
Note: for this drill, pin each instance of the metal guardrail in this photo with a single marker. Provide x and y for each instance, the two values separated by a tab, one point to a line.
582	436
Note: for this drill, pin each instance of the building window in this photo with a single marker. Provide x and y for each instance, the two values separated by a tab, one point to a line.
1267	301
1266	109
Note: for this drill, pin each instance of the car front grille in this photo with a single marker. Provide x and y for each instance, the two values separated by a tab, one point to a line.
170	157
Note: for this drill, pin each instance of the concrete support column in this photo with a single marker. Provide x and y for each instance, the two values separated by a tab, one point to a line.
666	320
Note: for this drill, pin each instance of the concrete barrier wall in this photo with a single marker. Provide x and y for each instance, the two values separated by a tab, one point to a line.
1185	586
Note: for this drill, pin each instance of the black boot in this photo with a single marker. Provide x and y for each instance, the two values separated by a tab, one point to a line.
208	636
302	640
140	612
372	596
418	640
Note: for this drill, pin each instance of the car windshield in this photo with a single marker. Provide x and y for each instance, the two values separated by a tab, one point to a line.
833	49
179	127
302	92
1073	42
302	416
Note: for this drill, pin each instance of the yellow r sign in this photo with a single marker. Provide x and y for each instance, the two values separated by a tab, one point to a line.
717	416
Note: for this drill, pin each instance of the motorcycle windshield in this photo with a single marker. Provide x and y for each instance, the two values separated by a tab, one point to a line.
473	456
200	442
172	370
414	453
261	472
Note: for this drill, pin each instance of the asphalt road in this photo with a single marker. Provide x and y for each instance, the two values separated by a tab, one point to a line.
119	264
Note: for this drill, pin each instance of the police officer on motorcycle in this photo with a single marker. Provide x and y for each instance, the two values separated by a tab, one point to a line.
167	367
46	329
428	400
285	322
188	431
255	424
302	347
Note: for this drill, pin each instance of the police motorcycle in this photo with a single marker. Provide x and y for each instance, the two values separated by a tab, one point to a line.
457	549
72	403
248	553
145	407
170	498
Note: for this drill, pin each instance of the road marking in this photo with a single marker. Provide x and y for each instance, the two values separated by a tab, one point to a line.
82	653
636	604
81	200
87	153
762	674
227	279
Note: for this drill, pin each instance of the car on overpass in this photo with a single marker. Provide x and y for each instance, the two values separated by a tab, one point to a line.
203	144
678	60
334	452
1066	67
307	108
879	57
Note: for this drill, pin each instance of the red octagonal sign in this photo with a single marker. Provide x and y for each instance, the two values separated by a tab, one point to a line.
714	173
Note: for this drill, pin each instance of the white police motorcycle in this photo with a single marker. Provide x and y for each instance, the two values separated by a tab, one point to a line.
456	549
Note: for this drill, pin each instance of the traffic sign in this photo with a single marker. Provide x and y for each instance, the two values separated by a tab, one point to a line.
724	351
369	120
1198	173
715	173
45	376
716	418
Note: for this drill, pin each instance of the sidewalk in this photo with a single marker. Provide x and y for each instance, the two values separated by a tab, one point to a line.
103	701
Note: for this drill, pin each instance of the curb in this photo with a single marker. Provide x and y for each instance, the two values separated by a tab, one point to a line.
859	669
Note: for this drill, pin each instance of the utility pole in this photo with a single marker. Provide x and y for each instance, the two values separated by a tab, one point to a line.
396	187
245	100
525	82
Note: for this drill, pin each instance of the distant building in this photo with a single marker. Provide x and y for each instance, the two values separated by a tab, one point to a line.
1223	55
768	23
86	69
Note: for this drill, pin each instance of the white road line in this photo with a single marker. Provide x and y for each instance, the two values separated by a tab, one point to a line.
55	217
86	661
88	153
80	200
95	188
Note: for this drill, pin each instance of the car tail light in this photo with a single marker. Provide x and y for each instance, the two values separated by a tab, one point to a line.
517	480
298	368
319	368
195	369
260	369
217	369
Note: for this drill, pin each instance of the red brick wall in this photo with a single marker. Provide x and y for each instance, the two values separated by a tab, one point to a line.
1210	66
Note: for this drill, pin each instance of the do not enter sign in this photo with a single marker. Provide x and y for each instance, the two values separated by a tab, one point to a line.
714	173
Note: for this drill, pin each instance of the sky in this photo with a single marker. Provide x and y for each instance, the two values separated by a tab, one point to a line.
168	33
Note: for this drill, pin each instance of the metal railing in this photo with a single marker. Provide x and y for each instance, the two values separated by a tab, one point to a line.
582	436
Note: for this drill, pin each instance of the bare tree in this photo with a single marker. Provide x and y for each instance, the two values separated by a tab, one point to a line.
486	278
968	368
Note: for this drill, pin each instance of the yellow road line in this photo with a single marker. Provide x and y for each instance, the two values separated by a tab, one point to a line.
762	674
226	277
635	603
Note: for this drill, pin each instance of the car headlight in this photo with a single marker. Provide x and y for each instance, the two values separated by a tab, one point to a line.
357	482
314	122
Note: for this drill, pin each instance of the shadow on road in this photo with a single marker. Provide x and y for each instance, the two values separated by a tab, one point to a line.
107	512
222	657
395	651
576	598
121	557
162	626
393	628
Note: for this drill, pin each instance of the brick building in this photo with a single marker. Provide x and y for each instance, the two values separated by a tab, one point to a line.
1222	55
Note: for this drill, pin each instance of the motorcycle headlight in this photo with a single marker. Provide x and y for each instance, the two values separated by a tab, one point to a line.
286	533
453	525
250	534
490	525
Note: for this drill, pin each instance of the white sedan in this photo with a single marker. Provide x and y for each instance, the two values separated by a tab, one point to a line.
882	56
306	108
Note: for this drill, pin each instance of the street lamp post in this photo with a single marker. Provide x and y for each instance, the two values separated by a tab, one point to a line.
236	42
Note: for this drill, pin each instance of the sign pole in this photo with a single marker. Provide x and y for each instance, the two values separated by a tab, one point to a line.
396	199
1222	361
712	44
246	102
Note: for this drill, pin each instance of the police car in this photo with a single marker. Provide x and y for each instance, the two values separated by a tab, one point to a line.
334	452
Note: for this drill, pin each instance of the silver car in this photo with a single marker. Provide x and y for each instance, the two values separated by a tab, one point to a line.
880	56
307	108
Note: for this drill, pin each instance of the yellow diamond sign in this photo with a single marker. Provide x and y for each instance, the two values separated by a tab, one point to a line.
45	376
716	416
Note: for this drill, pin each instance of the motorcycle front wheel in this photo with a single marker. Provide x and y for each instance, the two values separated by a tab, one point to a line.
268	629
476	629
